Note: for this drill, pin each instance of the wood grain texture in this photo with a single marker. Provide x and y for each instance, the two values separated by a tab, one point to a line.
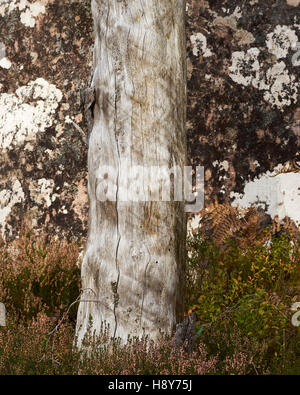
133	269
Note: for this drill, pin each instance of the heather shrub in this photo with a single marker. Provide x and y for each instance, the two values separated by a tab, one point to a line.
237	354
241	294
39	280
143	357
29	349
38	275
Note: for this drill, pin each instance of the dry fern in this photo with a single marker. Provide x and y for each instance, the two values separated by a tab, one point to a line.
288	168
221	222
286	226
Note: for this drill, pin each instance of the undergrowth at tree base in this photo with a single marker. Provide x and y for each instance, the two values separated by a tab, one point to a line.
241	292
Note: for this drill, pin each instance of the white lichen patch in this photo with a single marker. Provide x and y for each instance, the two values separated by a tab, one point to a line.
199	44
41	191
280	41
281	88
5	63
8	198
245	66
277	194
30	10
29	111
224	165
194	223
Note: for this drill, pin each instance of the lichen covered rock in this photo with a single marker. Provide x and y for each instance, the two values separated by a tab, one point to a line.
243	107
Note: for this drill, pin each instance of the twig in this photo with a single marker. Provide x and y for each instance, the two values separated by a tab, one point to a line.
55	329
83	135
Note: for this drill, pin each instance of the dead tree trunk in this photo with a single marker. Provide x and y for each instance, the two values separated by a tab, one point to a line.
133	269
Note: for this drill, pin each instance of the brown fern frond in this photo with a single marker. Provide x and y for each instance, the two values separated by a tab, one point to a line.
292	167
221	222
286	226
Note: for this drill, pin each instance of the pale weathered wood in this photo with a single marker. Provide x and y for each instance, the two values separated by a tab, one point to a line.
133	269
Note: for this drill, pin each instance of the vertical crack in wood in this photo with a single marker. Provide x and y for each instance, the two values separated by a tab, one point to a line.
138	81
117	200
145	285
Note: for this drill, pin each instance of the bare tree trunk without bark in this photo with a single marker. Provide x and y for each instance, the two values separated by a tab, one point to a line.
133	269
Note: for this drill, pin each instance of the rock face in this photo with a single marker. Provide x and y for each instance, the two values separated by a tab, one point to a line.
43	166
243	107
243	113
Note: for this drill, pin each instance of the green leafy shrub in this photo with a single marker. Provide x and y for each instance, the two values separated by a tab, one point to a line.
253	288
241	293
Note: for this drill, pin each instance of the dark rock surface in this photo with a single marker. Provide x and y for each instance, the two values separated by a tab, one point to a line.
243	105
